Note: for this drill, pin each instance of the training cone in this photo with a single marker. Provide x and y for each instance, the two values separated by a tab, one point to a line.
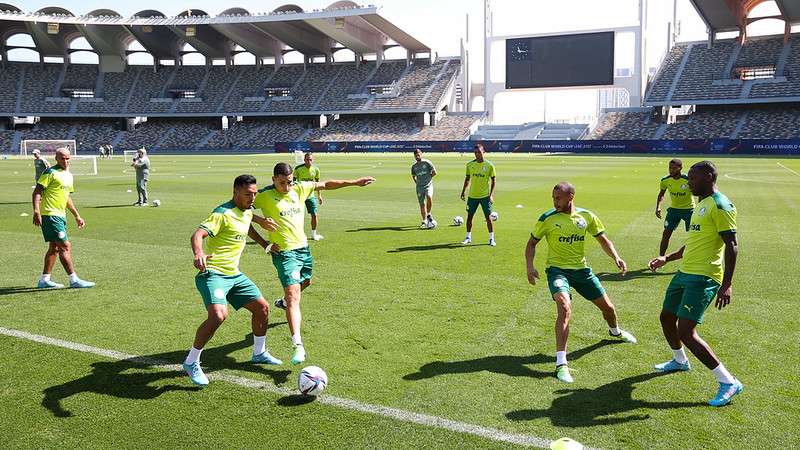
566	444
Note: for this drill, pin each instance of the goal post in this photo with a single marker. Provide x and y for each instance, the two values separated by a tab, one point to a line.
46	147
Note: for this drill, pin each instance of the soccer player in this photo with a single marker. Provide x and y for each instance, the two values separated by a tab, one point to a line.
681	204
39	164
220	282
565	227
309	172
283	201
712	238
51	200
480	178
142	165
422	172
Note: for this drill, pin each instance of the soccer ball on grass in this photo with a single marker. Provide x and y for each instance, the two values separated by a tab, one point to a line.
312	381
494	216
156	202
458	220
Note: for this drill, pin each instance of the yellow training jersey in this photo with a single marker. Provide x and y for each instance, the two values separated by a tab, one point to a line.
480	175
713	216
57	184
566	234
303	173
679	193
287	210
227	228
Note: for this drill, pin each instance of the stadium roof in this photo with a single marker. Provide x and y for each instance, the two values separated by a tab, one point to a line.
268	34
731	15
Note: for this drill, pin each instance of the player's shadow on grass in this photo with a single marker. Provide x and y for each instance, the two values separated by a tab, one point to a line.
408	228
631	275
423	248
15	203
513	366
147	377
11	290
111	206
599	406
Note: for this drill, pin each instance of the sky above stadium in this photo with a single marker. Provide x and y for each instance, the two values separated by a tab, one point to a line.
442	23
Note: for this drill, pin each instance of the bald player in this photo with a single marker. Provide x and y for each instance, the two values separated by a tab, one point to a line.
565	227
51	200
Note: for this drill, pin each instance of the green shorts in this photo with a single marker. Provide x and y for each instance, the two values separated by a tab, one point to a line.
54	229
312	205
219	289
583	280
424	193
293	266
688	296
472	206
674	217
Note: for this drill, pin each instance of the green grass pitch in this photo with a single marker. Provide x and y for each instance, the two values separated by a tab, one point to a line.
398	317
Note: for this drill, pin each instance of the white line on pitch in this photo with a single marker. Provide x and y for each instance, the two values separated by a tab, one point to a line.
353	405
790	170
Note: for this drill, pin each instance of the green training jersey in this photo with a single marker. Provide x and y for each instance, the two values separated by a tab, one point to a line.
40	165
713	216
679	193
480	175
303	173
287	211
57	184
227	228
566	234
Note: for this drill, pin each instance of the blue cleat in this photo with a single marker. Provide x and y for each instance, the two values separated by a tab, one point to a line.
673	366
280	303
49	285
266	358
299	355
195	372
726	393
81	284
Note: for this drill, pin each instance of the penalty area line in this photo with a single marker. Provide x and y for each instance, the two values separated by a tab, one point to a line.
790	170
344	403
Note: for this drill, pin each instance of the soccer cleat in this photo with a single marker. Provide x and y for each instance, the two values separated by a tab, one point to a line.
80	284
137	204
299	354
145	204
196	374
49	285
673	366
492	242
266	358
726	393
280	303
562	373
424	225
624	336
466	241
317	237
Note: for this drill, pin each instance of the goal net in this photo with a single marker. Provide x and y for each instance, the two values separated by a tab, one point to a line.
83	165
46	147
129	155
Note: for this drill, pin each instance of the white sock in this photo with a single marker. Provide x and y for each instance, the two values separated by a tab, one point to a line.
259	344
296	340
491	236
679	355
45	277
561	358
469	234
193	356
722	374
614	330
73	277
313	233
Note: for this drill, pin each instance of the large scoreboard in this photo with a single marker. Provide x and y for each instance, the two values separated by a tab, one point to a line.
570	60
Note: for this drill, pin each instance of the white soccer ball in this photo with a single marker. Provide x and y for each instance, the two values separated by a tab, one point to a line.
156	202
494	216
458	220
433	224
312	381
